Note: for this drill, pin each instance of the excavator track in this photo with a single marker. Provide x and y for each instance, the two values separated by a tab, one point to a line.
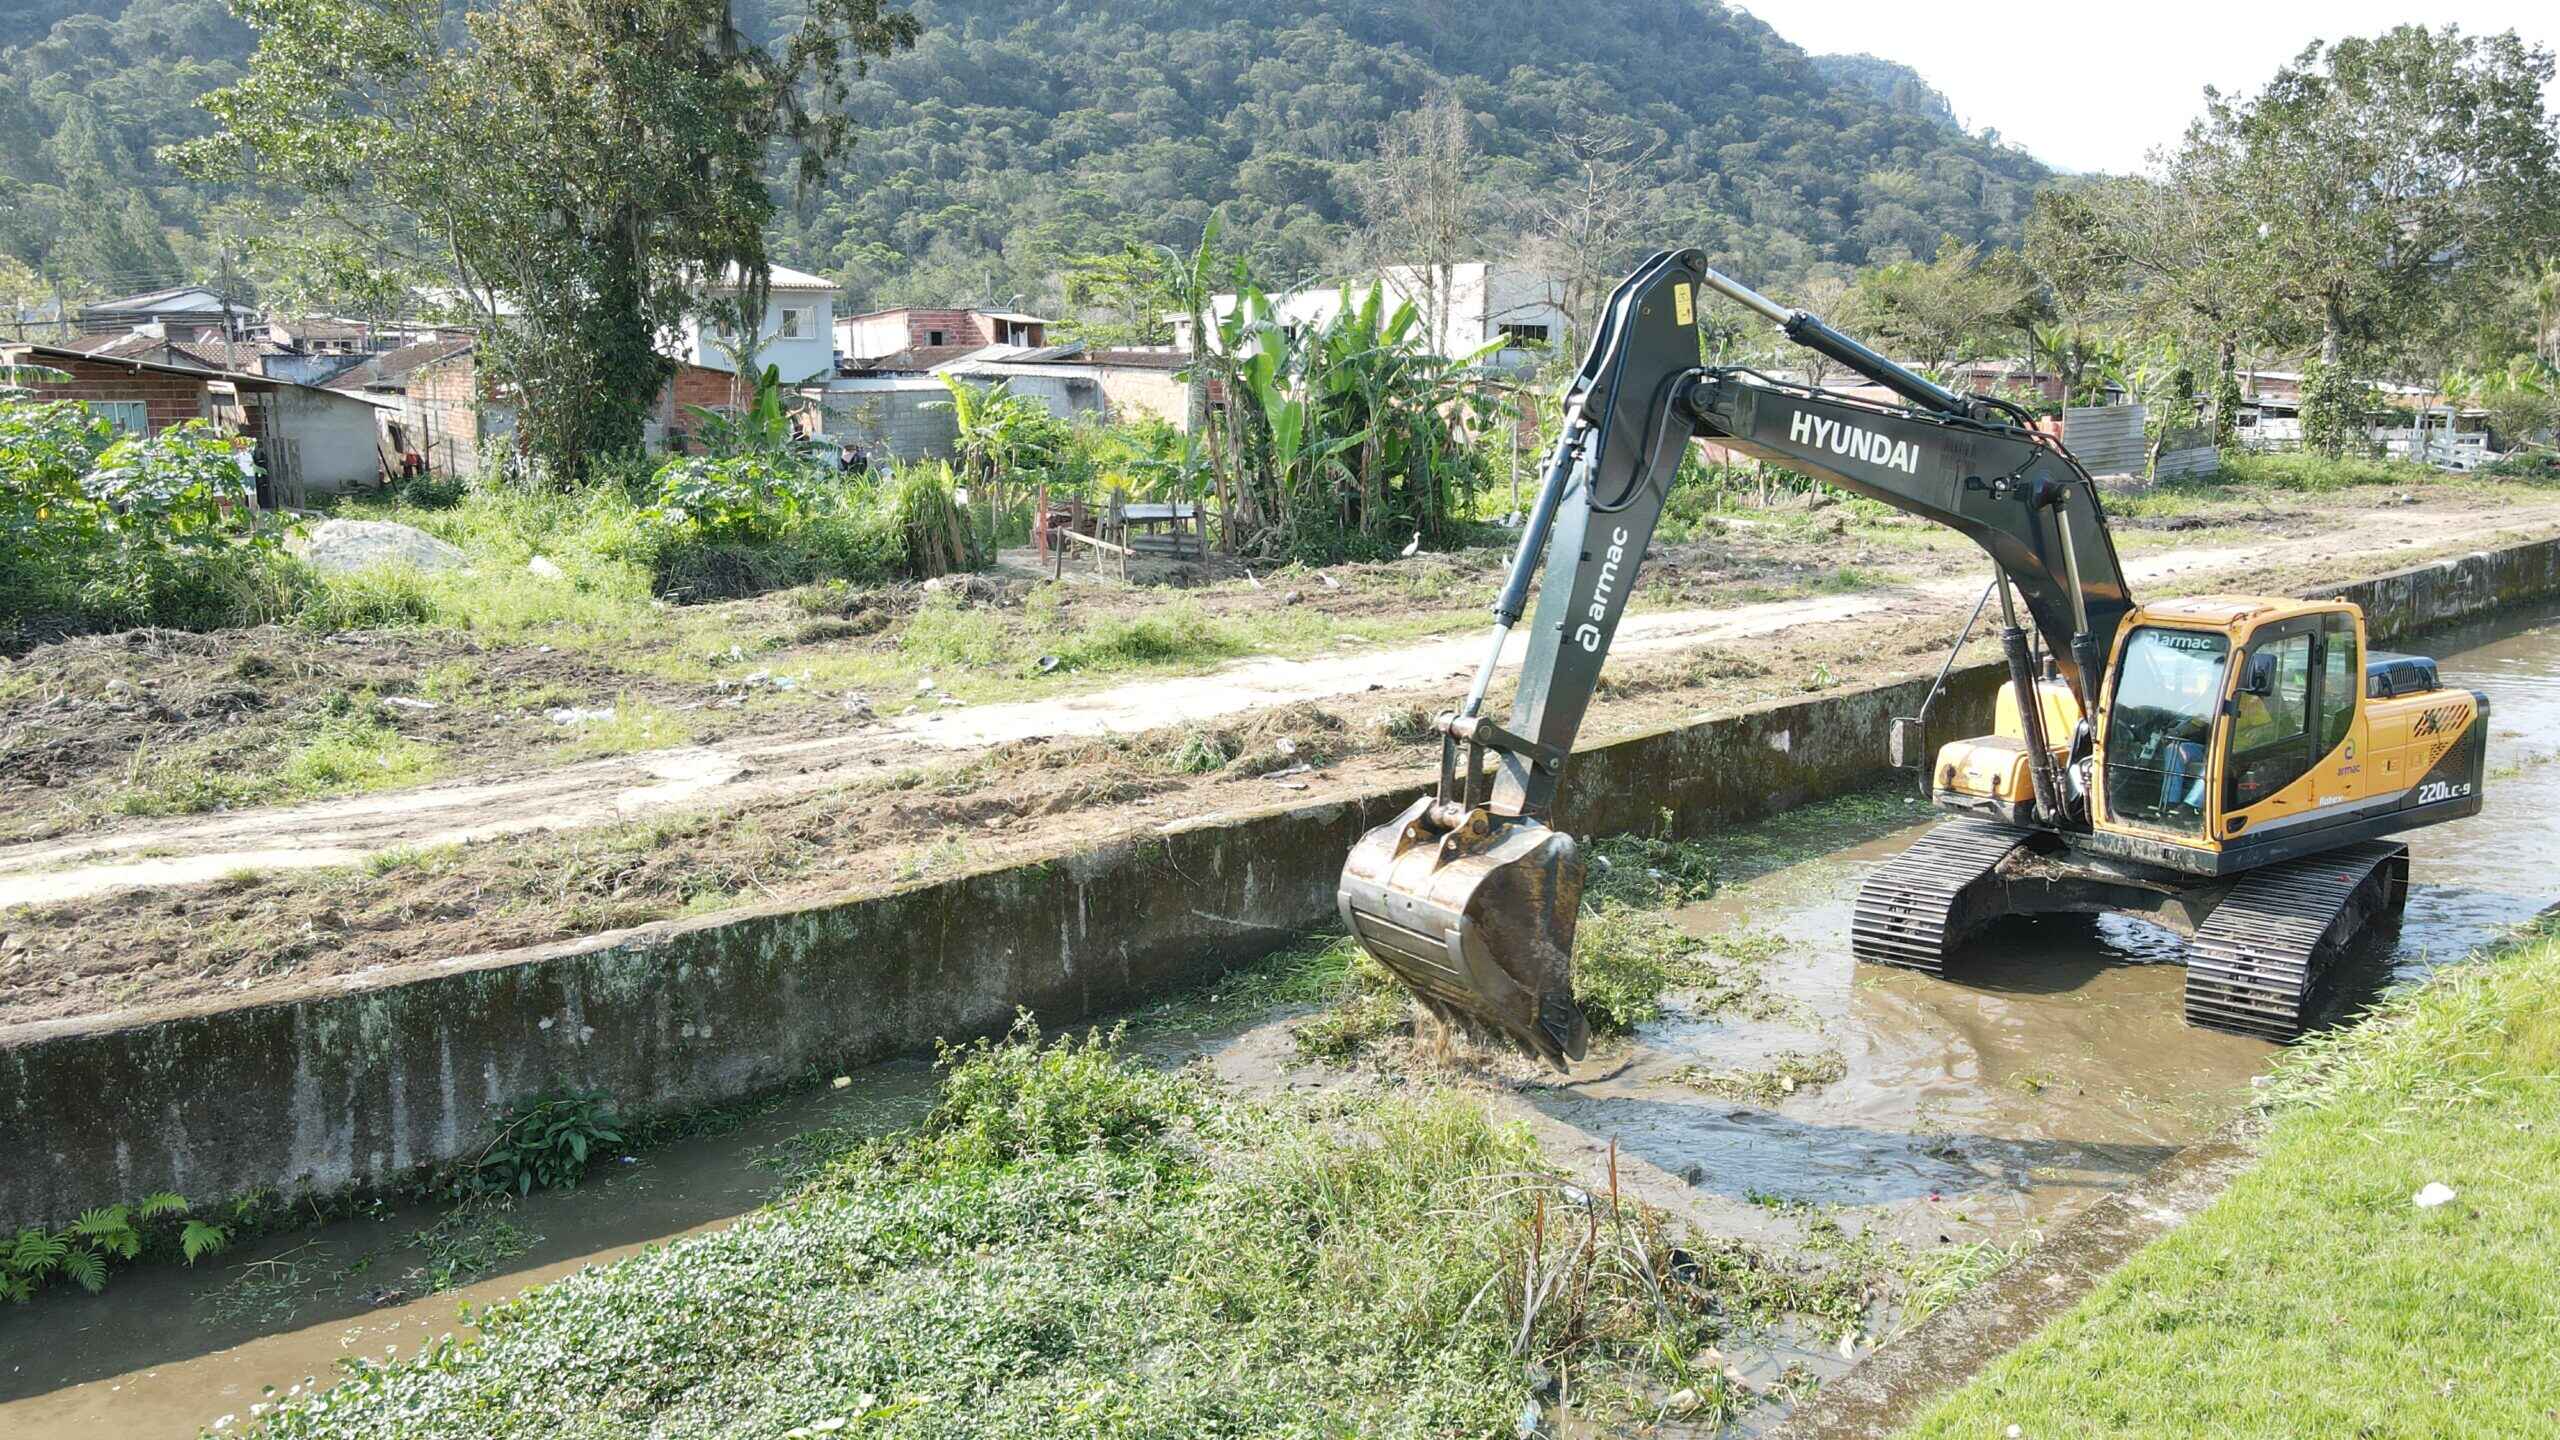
2256	962
1915	909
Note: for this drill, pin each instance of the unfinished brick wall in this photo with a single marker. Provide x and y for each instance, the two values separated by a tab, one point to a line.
168	399
701	385
958	327
442	414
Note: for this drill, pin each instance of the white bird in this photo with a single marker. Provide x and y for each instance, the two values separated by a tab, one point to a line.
1412	545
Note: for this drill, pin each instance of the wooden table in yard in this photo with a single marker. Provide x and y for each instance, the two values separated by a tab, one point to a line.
1176	528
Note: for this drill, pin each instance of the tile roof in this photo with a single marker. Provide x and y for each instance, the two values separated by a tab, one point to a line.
241	355
915	358
124	344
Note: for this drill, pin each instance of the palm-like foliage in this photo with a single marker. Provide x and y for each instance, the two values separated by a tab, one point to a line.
1346	430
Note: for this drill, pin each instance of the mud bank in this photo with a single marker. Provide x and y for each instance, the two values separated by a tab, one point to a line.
1880	1395
361	1080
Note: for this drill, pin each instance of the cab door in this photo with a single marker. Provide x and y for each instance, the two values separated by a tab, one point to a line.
2293	720
2273	725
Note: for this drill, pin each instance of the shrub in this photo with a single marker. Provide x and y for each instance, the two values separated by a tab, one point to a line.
756	522
1024	1101
547	1140
742	500
81	1251
2534	467
103	532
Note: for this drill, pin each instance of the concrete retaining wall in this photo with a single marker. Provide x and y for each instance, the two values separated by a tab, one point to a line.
354	1084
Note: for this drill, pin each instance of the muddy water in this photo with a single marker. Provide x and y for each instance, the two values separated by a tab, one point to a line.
1986	1110
2059	1067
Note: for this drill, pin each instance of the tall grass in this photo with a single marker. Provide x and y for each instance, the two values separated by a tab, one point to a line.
1075	1244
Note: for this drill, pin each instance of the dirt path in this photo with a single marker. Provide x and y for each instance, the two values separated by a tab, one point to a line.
347	831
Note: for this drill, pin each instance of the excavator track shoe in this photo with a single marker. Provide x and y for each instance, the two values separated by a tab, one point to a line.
1478	921
2256	963
1916	908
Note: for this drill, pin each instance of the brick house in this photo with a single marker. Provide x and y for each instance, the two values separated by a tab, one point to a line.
306	439
439	406
888	332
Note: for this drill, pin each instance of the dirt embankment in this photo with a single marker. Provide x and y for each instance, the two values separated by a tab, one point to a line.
793	793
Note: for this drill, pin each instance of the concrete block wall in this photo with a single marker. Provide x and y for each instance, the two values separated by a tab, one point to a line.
906	423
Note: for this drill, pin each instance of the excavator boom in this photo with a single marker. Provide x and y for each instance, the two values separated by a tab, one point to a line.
1471	895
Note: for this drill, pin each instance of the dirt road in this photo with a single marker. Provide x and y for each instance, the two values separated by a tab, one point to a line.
347	831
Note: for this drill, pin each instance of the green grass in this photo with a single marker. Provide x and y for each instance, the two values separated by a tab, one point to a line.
2314	1297
341	753
2253	482
634	726
1074	1244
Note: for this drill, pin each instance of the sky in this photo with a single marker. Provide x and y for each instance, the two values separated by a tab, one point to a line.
2096	87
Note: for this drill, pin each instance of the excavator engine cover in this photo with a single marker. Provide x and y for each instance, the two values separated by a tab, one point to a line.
1477	920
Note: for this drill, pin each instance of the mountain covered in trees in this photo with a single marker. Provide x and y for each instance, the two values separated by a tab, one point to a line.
1017	132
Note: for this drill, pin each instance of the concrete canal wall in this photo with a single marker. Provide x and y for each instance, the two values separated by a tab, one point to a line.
359	1082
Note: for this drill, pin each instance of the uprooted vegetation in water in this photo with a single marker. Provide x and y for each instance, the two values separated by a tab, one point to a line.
1784	1075
1074	1243
1632	964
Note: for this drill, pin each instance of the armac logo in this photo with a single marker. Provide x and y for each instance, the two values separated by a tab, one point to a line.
1587	634
1856	443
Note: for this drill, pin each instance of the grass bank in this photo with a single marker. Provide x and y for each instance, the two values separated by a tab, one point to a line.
1076	1244
2317	1297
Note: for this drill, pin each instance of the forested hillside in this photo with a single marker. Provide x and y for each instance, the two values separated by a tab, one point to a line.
1020	130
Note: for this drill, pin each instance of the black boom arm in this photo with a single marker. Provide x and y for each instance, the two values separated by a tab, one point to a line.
2011	491
1641	396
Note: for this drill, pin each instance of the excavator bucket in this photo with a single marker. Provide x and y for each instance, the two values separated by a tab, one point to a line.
1477	920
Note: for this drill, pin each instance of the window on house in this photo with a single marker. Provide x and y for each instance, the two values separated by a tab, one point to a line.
1525	336
933	337
132	417
799	322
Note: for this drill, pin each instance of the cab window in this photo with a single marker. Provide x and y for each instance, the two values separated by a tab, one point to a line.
2271	719
2159	725
2341	679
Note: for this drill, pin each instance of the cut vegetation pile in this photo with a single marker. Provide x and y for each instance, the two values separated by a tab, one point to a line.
1074	1244
2319	1295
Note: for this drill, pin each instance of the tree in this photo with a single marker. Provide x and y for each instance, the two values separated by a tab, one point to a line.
1957	307
1423	206
2373	183
1134	291
1584	229
583	171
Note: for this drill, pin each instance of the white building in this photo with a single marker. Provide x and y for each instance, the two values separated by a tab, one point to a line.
1464	307
798	336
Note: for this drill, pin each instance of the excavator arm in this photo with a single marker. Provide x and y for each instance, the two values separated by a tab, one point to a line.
1470	896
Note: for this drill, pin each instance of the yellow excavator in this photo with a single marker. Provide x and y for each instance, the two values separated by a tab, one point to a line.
2225	765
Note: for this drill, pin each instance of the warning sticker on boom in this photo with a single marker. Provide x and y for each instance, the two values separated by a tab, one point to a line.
1684	304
